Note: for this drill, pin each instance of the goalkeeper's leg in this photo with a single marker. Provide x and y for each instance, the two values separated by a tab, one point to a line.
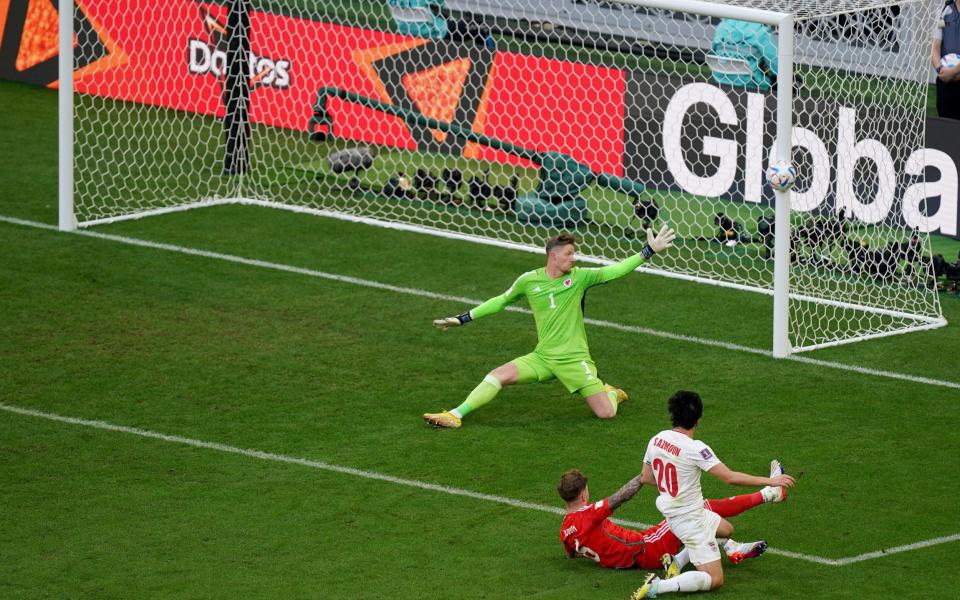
602	401
520	370
487	390
580	374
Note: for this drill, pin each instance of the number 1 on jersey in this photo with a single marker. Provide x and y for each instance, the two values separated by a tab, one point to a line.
553	302
666	476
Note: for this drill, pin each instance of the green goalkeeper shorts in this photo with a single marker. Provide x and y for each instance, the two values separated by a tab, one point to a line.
578	374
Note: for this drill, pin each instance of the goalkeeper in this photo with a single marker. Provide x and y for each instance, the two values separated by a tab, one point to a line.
556	296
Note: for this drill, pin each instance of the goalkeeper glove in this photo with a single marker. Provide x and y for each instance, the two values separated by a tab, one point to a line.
659	242
456	321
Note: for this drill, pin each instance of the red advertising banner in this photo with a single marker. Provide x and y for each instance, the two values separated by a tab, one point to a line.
171	54
549	104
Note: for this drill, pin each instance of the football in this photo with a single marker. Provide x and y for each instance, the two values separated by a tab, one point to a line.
781	175
950	60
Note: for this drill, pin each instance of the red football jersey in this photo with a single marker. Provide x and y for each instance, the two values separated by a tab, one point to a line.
590	533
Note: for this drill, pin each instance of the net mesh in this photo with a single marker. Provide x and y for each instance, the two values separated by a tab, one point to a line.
511	121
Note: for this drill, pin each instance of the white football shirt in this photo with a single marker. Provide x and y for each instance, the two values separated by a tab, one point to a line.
676	461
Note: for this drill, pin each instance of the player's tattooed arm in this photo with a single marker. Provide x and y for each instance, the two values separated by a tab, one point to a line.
646	475
626	492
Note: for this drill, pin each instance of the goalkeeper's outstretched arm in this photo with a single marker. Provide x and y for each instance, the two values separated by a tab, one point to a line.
491	306
457	321
655	243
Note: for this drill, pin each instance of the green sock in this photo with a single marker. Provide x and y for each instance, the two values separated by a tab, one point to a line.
483	393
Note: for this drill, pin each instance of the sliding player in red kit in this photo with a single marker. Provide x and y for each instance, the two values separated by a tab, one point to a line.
588	532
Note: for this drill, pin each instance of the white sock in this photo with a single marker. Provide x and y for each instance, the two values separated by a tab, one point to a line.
691	581
681	559
729	545
456	413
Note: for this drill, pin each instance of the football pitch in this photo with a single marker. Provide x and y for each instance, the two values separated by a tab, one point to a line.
225	403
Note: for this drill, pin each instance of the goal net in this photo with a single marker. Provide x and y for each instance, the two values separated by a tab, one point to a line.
505	122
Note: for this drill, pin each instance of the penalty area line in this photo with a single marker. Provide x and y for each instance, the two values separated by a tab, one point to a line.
423	485
470	301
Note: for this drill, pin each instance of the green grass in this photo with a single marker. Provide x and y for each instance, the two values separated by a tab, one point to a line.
335	372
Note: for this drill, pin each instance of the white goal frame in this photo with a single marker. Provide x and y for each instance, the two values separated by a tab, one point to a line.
782	22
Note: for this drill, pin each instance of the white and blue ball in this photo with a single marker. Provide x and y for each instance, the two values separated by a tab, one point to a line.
781	175
949	61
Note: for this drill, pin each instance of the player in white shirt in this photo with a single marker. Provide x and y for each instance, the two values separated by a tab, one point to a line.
673	462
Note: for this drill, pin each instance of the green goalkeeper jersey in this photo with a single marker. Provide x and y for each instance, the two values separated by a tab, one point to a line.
557	305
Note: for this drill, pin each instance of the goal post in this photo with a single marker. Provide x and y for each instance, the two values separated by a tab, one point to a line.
784	152
503	123
67	219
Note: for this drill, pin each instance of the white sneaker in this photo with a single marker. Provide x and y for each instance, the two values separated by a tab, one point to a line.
776	468
648	589
774	493
670	567
737	553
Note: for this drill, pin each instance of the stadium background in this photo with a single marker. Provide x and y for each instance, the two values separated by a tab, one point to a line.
247	356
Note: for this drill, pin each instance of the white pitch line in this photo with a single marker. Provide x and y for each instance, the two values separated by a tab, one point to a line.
898	549
469	301
323	466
